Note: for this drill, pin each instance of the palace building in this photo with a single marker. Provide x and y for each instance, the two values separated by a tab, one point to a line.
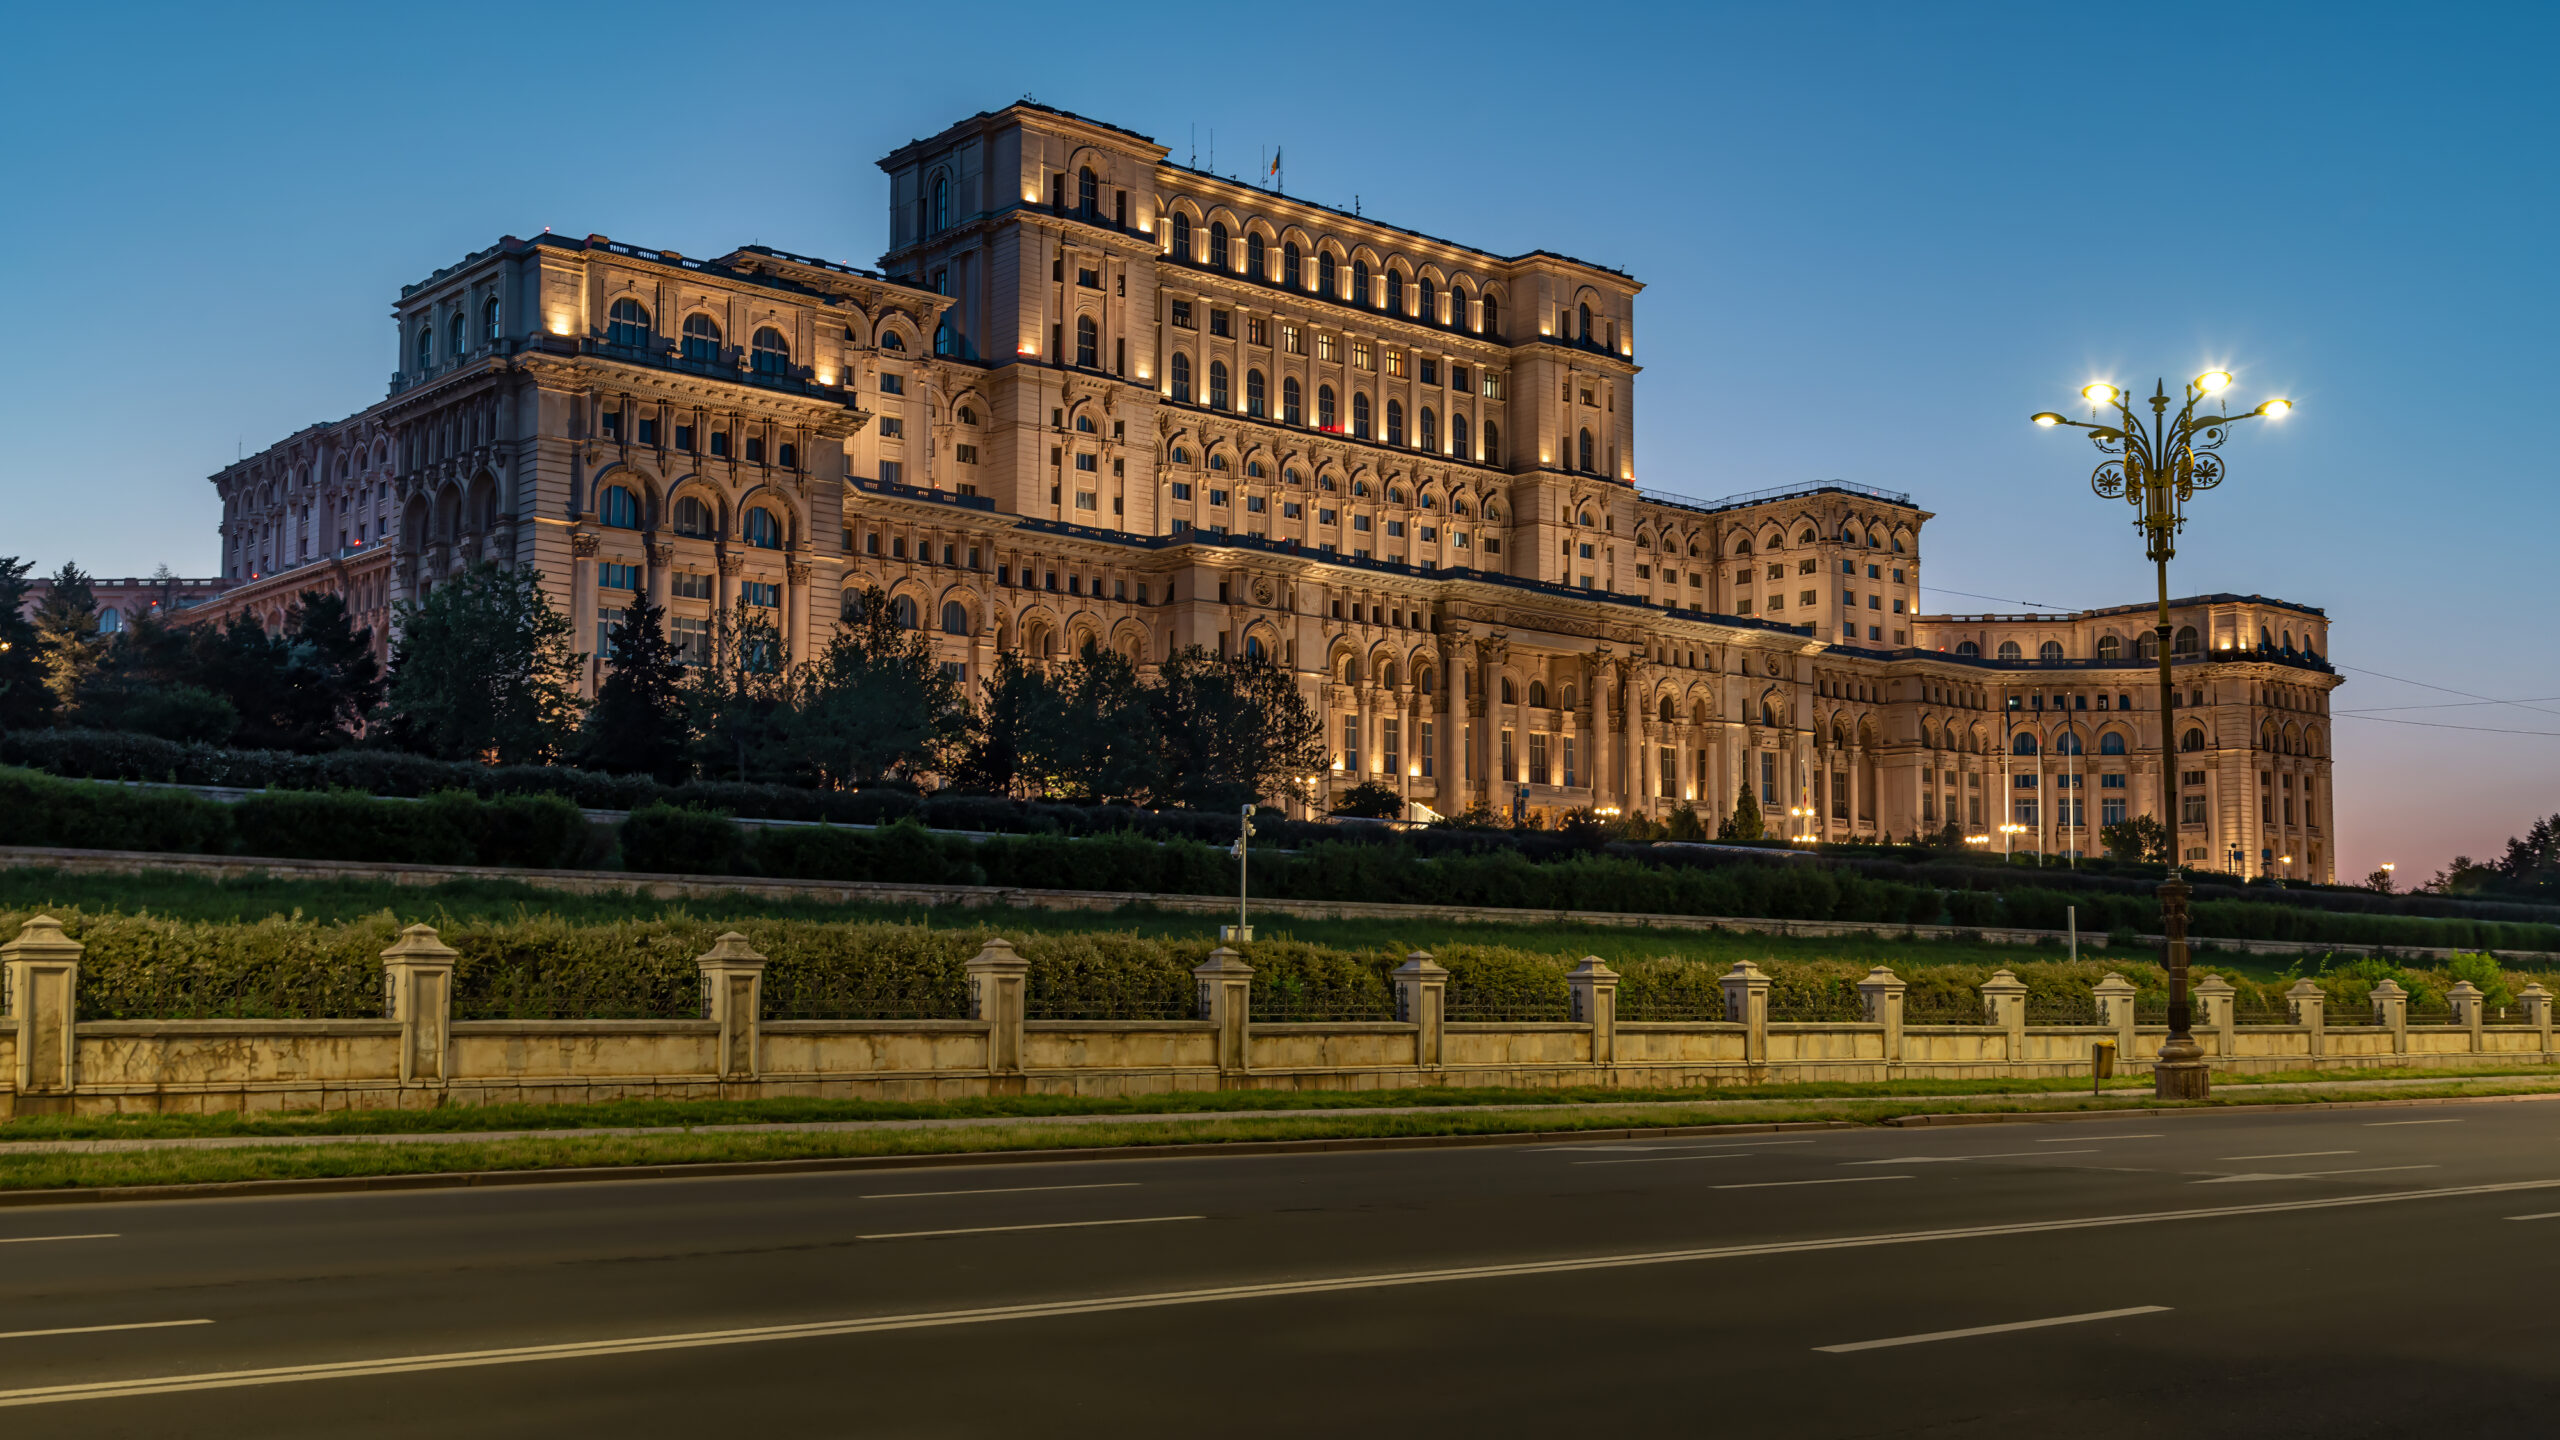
1092	395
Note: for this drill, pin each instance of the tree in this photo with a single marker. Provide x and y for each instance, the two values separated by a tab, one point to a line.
2379	882
638	724
1685	825
736	699
1235	730
1370	800
24	698
332	683
2141	838
1745	824
484	669
1001	730
1094	735
66	622
241	662
873	703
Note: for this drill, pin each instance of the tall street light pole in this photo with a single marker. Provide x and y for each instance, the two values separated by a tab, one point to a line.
2158	467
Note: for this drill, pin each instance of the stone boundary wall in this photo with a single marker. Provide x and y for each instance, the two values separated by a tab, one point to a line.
418	1055
881	892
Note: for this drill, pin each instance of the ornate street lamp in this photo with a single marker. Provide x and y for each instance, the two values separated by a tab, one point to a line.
2158	468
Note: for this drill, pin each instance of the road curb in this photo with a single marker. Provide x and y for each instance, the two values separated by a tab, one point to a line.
1178	1150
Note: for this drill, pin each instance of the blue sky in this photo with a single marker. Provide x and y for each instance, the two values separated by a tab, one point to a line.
1875	239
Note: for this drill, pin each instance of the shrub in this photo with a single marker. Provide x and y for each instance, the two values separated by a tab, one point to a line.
668	840
38	810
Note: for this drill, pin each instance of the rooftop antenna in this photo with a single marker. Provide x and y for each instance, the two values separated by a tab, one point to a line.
1195	145
1213	149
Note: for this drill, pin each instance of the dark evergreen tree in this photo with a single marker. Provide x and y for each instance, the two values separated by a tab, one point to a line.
332	683
24	698
874	703
66	622
1234	730
1745	824
1095	738
638	725
1001	731
484	670
737	699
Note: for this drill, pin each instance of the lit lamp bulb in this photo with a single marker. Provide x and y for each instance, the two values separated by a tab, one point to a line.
2276	409
2214	382
2100	393
2047	420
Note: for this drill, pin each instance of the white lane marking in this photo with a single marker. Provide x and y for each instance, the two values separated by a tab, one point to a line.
32	1239
1946	1159
2289	1155
1103	1304
1842	1180
1659	1159
1990	1329
2067	1139
2545	1215
95	1329
1002	1190
1052	1225
1686	1145
2307	1174
2378	1124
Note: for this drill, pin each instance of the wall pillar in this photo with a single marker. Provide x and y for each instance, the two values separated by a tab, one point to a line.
43	967
1595	1003
1882	993
2214	998
1746	1002
417	991
2308	1002
1226	1002
2537	1013
2004	997
2391	1009
733	994
1422	1000
998	981
2115	1011
2468	1005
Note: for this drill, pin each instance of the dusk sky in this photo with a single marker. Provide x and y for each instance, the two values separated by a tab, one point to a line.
1874	240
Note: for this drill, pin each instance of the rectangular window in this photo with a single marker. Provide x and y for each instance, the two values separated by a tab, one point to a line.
1089	279
614	576
1492	386
892	428
1430	371
1669	771
2110	811
1391	745
2024	812
1218	323
1423	736
966	454
1395	528
1290	510
1257	331
692	638
1182	315
1325	347
1361	359
1325	515
648	431
1351	743
1539	774
2110	782
893	472
691	587
1510	770
1395	363
1458	378
892	383
1085	500
1768	777
1742	606
1181	489
1292	340
2191	810
609	624
1359	522
720	444
612	424
1218	497
1089	464
684	437
761	594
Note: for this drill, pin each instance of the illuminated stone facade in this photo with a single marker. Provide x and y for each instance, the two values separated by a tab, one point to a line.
1095	395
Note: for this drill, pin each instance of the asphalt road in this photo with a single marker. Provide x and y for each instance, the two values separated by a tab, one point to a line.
2341	1273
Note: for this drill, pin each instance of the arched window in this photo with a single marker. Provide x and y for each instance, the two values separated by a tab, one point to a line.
955	616
1328	276
489	319
1088	342
1360	415
1292	406
771	353
455	344
625	326
2049	650
1458	437
2265	640
1181	236
1426	300
1583	329
2009	650
1457	307
1360	282
1257	400
902	612
1218	245
2067	743
1257	257
1537	694
941	203
426	347
701	338
1327	417
1088	200
763	529
1387	675
1292	273
891	340
2111	743
693	518
2186	642
1583	453
618	507
2024	744
2146	646
1490	323
1968	650
2192	741
1182	377
2110	648
1492	449
1218	385
1395	291
1427	432
1395	422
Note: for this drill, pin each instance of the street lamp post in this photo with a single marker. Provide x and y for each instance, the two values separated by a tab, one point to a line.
2158	467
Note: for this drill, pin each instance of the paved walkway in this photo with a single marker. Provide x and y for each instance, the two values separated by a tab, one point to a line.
787	1127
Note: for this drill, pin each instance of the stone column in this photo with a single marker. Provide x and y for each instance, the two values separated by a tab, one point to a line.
1882	993
2391	1009
662	559
417	991
1595	1003
1746	1002
795	574
1596	773
2308	1002
2467	1007
582	607
1422	998
1364	703
2537	1013
733	994
2115	1011
1226	1002
2004	999
998	980
43	968
2214	999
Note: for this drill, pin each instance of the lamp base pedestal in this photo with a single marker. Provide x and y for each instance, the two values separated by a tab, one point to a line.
2181	1073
